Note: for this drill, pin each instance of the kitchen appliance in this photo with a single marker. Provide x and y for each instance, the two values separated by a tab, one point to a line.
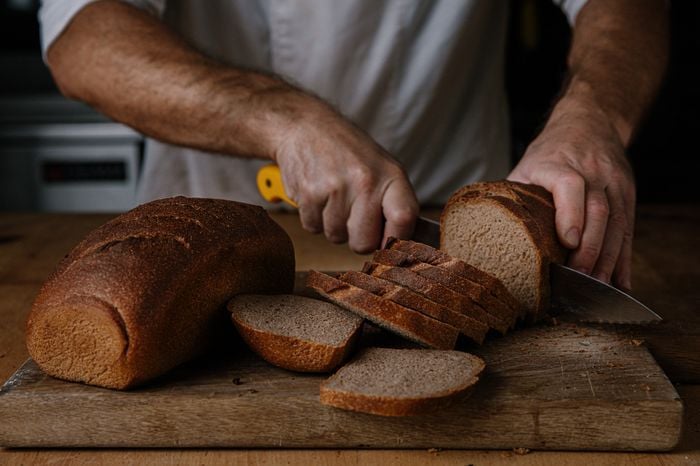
59	155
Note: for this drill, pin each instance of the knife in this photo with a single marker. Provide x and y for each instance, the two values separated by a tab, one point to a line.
574	295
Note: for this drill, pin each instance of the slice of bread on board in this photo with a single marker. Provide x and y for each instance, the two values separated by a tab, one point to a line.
295	332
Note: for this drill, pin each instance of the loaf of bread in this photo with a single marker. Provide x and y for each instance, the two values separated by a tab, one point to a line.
295	332
506	229
143	293
402	382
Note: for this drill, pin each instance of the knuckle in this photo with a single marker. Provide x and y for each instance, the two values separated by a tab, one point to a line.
598	207
365	180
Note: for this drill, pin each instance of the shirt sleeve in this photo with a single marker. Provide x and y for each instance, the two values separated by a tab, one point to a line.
54	16
570	8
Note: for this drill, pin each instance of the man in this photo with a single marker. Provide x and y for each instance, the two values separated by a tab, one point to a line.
419	81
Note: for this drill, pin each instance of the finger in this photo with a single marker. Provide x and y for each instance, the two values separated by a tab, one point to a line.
569	192
365	225
622	275
614	235
400	209
586	255
311	212
335	217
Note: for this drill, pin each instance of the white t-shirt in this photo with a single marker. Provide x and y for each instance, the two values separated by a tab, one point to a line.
424	78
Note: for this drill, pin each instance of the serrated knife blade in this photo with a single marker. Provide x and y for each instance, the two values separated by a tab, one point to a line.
582	298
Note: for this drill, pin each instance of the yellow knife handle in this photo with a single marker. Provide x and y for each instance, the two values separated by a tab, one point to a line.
271	186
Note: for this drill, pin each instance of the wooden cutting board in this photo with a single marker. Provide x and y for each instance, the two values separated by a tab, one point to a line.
546	387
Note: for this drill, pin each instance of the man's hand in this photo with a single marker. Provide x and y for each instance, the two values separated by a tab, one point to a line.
616	63
345	184
580	158
136	70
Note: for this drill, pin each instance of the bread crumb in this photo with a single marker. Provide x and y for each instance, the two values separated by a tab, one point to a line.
434	450
237	381
636	342
521	451
584	343
646	387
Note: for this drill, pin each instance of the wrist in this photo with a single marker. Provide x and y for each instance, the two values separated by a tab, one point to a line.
581	99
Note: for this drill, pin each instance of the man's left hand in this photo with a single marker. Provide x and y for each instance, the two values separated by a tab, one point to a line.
580	158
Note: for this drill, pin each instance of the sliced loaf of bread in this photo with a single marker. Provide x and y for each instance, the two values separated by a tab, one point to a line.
436	292
472	329
402	382
500	236
430	255
474	291
408	323
294	332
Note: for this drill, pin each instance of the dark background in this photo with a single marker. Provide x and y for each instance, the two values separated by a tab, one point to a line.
665	154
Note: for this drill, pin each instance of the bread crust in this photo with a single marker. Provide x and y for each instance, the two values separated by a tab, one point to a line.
163	273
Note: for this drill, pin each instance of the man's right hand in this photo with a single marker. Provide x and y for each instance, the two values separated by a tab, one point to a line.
137	71
345	184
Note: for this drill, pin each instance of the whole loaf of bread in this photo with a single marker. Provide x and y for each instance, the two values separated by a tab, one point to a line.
141	294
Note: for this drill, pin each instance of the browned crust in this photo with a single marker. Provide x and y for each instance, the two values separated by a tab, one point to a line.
166	269
294	353
393	407
430	255
435	292
473	329
399	319
448	279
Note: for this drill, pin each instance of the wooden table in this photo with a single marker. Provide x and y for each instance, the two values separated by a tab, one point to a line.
667	250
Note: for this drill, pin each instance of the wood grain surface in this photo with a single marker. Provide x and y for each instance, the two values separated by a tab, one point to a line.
665	277
563	387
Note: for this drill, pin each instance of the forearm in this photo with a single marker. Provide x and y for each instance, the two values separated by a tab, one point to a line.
617	61
130	66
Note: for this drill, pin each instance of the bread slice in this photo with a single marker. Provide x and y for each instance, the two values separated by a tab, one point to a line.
448	279
294	332
387	314
436	292
499	236
430	255
402	382
472	329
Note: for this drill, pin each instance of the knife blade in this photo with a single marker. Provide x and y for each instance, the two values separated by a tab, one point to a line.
271	188
575	295
580	297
